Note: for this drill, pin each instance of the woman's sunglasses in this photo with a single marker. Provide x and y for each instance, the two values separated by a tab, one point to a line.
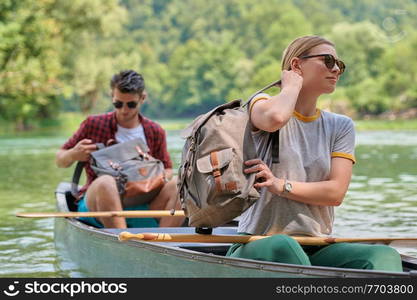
329	61
119	104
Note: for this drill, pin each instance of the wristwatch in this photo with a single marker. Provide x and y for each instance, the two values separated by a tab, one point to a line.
286	188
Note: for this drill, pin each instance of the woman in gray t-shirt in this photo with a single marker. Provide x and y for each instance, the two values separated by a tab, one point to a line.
316	159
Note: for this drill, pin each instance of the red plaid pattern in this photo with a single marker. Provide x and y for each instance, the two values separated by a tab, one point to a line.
102	129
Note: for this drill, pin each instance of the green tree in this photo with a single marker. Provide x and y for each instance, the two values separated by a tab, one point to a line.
361	46
206	53
38	37
195	54
29	61
398	81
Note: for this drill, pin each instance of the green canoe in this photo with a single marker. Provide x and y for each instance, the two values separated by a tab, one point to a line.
86	251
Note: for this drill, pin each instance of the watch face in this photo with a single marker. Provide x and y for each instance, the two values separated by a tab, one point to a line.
288	187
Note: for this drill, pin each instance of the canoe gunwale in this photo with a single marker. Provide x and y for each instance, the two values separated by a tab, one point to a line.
237	262
241	263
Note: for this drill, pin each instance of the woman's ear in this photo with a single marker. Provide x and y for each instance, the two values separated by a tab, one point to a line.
295	65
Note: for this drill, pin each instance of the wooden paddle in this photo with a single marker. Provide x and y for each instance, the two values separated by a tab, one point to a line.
101	214
208	238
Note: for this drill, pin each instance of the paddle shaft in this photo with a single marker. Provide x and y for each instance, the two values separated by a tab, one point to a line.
203	238
104	214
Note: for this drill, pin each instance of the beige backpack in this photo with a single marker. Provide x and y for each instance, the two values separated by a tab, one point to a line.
213	188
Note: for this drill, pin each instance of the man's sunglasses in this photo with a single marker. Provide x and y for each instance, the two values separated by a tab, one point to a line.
119	104
329	61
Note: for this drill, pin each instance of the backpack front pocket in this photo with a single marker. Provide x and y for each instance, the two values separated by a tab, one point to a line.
218	171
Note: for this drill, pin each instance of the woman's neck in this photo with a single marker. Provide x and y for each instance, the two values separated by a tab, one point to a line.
306	103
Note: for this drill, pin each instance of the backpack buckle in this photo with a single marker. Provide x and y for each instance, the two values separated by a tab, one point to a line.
192	145
141	153
115	166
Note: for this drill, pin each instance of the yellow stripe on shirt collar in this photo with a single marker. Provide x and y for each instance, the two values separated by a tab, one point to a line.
309	118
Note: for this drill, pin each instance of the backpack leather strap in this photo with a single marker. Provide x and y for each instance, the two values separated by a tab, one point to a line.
273	140
216	170
275	83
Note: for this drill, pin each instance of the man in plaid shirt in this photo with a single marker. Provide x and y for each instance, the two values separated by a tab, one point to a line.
123	124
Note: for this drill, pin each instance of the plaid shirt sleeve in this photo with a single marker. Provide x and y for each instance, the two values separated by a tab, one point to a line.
156	140
97	128
162	150
79	135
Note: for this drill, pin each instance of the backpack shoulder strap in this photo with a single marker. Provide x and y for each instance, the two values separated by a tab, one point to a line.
273	136
78	171
275	83
76	178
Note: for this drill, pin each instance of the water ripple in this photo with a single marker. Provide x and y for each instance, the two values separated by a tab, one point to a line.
381	201
403	138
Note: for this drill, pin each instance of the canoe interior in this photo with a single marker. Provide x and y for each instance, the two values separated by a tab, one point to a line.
409	263
217	249
65	203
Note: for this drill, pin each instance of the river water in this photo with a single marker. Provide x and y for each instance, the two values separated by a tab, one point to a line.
381	201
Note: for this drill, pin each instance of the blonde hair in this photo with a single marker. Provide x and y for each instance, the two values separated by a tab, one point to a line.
301	46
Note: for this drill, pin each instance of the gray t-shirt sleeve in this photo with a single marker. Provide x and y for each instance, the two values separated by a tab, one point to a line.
344	143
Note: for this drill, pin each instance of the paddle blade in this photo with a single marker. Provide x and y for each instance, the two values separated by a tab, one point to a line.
405	246
35	215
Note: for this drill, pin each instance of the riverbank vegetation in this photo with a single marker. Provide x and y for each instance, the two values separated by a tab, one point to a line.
58	56
68	122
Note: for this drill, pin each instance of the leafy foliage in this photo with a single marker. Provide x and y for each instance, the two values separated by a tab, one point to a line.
195	54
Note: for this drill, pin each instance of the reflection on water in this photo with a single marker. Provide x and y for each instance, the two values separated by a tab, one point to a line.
395	138
382	197
381	201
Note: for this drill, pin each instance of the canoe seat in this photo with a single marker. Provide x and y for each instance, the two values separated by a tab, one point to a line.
217	250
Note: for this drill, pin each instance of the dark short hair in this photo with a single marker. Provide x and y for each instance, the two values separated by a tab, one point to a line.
128	81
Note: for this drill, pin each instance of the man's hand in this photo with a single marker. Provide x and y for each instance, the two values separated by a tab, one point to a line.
83	149
81	152
168	174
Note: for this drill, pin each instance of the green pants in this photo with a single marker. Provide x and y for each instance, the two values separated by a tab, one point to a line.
284	249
